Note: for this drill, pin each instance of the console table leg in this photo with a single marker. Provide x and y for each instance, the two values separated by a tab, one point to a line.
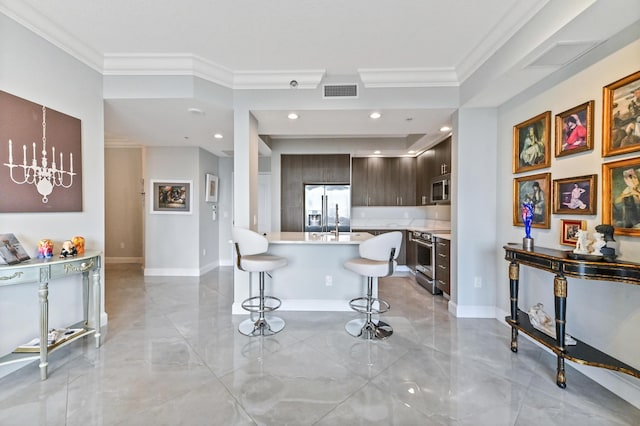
96	303
560	297
513	289
43	295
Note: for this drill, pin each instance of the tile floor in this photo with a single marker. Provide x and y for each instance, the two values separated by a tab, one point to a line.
172	356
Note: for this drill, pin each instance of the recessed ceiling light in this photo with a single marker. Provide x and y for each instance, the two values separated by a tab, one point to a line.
195	111
375	115
292	116
376	152
445	128
217	136
411	151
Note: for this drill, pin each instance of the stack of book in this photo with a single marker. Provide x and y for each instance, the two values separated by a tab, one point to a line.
56	337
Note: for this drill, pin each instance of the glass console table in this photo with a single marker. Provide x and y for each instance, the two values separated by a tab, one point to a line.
558	262
42	271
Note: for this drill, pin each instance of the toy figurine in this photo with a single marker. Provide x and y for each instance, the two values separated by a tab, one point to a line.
45	248
68	249
582	243
78	243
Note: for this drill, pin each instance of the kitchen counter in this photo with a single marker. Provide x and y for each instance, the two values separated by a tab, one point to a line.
314	278
317	238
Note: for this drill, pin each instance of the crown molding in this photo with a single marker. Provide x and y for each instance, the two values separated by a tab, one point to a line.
37	23
306	79
409	77
166	64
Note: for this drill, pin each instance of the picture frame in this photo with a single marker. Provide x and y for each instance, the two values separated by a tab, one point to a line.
531	143
211	188
569	231
170	196
576	195
621	116
621	196
574	130
524	188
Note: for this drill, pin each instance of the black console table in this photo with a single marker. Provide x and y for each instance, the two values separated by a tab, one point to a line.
558	262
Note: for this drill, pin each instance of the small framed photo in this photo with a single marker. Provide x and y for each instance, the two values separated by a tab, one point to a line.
621	116
569	231
575	195
534	189
531	143
170	197
211	188
621	196
574	130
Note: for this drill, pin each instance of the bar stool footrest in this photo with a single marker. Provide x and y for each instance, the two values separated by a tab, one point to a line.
361	304
252	304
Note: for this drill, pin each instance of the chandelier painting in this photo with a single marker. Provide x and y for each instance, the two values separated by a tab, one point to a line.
40	158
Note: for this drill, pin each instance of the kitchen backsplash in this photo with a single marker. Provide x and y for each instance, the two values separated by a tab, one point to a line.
436	217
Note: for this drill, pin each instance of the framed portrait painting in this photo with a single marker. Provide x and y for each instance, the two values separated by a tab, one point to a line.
621	196
531	143
574	130
569	231
535	189
575	195
170	197
621	116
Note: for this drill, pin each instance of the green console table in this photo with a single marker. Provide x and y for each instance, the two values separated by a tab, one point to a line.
42	271
559	263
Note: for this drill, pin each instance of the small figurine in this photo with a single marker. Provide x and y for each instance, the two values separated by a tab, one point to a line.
598	243
68	249
78	243
582	245
45	248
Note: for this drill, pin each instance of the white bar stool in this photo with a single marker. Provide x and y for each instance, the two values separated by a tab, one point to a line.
251	249
377	259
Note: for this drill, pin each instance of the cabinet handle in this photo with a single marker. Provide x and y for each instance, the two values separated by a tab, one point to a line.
442	267
442	244
442	255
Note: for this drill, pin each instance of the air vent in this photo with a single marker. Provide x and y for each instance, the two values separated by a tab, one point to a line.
340	91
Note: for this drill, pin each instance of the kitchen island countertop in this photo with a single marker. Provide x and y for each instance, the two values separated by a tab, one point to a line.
317	237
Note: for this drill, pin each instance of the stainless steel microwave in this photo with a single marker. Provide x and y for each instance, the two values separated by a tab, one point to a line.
440	189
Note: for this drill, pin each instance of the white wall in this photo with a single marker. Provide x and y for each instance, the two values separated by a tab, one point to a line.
172	241
33	69
604	314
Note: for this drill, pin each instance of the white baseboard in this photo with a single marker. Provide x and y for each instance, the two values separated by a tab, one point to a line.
620	384
123	260
171	272
207	268
471	311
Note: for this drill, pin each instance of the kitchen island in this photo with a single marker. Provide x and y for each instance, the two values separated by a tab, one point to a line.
314	278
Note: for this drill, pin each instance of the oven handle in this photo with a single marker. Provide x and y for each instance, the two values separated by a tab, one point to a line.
424	243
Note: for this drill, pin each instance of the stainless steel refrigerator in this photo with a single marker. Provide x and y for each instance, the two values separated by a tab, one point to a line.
321	202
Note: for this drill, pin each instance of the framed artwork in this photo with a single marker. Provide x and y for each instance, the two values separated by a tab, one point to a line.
621	196
574	130
621	116
577	195
569	231
211	188
531	143
536	189
40	158
170	197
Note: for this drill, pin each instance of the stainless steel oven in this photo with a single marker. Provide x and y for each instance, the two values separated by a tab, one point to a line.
425	260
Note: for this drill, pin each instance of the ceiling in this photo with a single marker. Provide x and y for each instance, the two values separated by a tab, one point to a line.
434	55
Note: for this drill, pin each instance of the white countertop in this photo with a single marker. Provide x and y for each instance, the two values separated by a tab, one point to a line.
317	238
